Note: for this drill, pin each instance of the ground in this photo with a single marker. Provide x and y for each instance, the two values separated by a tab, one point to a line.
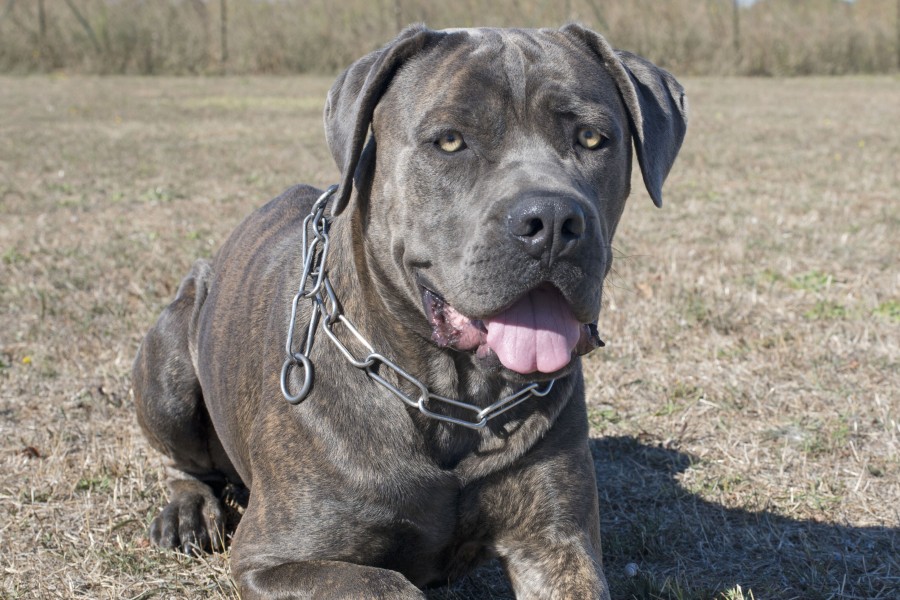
745	412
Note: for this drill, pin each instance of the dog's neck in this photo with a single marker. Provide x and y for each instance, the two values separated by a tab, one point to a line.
372	300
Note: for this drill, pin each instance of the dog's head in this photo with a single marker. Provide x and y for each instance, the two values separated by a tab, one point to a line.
491	168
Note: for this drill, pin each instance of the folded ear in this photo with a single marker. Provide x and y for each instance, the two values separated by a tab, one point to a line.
352	100
656	104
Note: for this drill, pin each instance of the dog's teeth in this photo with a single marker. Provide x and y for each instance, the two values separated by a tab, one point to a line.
434	307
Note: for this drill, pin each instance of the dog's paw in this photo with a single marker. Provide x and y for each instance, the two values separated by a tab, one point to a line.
191	523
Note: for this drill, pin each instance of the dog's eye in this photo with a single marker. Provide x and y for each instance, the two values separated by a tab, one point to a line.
589	138
452	141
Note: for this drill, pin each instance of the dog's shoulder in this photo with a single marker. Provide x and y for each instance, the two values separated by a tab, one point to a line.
257	244
298	198
277	218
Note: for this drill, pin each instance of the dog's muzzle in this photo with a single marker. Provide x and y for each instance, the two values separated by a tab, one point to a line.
537	333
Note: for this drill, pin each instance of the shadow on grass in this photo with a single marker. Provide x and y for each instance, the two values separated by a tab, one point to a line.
689	548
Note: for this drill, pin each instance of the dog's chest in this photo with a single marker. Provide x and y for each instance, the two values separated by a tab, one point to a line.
434	539
423	526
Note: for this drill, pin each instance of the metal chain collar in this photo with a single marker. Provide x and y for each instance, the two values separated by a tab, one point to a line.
325	310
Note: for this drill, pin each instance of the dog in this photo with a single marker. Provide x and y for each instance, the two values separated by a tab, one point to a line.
392	367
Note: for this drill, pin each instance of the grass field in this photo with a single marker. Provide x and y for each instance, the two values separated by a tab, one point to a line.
745	412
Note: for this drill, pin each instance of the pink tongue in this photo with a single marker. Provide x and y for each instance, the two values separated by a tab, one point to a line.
537	333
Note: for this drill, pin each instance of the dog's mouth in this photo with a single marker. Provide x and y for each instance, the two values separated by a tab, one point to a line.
537	333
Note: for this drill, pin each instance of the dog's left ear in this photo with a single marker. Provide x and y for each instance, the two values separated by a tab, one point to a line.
352	100
656	104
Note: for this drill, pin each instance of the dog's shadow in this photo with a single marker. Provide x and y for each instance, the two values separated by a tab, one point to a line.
684	545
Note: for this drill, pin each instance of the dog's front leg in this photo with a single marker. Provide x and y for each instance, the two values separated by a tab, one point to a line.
554	568
325	579
547	525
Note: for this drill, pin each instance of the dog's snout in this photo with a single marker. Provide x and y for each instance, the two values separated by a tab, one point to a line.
548	227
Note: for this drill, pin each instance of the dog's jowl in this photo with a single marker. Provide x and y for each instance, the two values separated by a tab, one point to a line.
427	412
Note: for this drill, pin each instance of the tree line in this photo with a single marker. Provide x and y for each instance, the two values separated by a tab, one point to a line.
690	37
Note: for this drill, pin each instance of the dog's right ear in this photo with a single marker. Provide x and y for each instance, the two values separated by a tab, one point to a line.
352	100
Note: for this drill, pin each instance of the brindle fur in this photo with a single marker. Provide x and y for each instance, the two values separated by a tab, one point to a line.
352	494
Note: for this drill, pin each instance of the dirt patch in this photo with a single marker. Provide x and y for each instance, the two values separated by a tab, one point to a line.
745	412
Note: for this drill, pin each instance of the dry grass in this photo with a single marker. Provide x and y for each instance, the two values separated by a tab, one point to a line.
746	410
771	37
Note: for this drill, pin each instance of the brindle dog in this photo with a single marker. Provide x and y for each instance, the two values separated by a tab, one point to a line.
483	174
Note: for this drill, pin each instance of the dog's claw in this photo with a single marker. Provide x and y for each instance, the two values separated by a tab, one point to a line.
191	523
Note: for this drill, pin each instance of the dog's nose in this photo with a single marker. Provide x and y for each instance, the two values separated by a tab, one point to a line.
548	226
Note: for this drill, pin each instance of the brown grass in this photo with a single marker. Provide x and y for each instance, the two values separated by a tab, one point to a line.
771	37
746	409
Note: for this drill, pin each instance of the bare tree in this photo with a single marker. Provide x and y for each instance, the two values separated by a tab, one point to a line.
223	11
398	15
7	9
736	29
203	13
598	14
84	25
42	28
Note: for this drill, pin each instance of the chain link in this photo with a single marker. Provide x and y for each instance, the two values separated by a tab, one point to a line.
325	310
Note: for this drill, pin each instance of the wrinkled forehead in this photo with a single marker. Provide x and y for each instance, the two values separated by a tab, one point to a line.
500	69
